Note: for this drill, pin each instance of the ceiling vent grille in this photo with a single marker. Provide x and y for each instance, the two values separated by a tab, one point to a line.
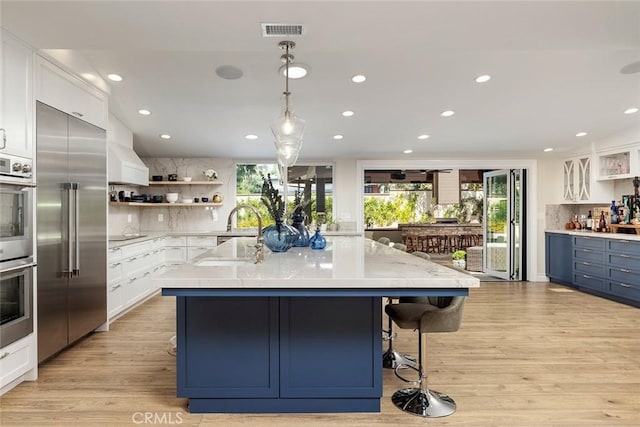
279	30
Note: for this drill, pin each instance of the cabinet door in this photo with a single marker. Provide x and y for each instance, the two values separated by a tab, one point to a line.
569	180
60	90
583	184
559	257
16	359
16	112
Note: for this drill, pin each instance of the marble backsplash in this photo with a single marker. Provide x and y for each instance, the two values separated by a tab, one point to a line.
134	219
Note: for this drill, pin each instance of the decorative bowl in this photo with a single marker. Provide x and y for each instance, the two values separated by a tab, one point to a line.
186	178
172	197
187	201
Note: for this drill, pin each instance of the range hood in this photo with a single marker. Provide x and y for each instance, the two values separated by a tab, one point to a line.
125	167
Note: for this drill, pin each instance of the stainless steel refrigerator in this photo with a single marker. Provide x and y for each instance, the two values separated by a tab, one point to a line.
71	229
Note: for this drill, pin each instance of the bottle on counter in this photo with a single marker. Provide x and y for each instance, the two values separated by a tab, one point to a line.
589	221
614	212
602	223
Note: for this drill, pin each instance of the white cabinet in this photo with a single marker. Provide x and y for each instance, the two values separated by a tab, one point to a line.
175	250
579	184
16	359
620	163
197	245
130	271
16	94
61	90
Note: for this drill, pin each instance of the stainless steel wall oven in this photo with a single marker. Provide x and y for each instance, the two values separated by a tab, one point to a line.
16	300
16	221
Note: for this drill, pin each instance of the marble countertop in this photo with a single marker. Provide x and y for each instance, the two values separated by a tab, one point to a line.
621	236
346	262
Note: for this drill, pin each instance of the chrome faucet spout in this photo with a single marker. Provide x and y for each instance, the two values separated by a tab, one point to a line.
259	239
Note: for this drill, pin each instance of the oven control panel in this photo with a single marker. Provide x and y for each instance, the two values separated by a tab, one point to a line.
15	166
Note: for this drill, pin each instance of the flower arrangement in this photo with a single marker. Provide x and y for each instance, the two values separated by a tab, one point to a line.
210	174
272	199
299	203
459	255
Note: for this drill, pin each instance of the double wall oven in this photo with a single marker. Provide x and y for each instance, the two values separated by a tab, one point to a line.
16	248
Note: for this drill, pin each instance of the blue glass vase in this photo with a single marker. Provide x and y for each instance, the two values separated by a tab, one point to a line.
317	241
303	234
279	237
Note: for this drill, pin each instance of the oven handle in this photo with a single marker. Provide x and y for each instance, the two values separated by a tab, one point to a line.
28	264
4	138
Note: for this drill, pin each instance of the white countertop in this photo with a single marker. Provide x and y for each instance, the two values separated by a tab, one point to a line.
346	262
620	236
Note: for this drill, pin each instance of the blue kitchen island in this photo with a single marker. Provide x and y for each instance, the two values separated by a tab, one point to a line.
300	332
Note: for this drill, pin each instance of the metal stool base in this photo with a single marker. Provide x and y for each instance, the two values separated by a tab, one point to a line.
424	403
391	359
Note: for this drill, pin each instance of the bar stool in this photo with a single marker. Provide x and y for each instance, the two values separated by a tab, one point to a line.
441	314
391	359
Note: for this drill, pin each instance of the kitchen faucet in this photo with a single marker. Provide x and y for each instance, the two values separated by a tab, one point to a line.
260	240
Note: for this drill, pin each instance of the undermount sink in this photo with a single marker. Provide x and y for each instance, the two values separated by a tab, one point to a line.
217	262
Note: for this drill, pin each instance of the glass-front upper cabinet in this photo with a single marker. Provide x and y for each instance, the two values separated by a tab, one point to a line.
579	184
619	164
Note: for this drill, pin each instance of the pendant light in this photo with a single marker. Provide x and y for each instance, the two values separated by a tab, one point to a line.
288	128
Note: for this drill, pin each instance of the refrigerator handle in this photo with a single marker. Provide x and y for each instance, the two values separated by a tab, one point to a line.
68	272
76	230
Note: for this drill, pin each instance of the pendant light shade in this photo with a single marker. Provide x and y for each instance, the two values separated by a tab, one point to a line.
287	128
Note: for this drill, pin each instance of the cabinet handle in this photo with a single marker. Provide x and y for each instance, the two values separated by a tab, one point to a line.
585	250
114	287
624	270
5	354
115	264
4	139
624	285
623	256
77	114
133	279
146	273
133	258
624	241
587	276
586	263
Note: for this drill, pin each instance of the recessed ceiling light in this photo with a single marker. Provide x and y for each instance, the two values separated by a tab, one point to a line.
631	110
297	70
114	77
144	112
251	136
165	136
423	136
447	113
546	150
579	134
347	113
358	78
338	136
483	78
408	151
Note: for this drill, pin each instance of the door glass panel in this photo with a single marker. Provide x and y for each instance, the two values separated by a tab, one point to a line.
12	213
12	303
496	229
516	220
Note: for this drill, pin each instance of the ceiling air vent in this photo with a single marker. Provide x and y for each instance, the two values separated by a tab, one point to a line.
279	30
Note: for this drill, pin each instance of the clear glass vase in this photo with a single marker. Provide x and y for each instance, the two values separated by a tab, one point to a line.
279	237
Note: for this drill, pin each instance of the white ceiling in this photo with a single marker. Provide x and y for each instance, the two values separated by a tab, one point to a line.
555	67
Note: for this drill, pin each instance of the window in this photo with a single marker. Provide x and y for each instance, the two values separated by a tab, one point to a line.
313	182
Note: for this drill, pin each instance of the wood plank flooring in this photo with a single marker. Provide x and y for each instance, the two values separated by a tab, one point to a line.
527	354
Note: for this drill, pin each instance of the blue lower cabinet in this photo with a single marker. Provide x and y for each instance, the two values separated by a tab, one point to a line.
558	257
590	282
280	354
627	291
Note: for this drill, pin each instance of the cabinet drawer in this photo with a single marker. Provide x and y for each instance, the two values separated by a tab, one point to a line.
585	242
590	255
137	248
625	261
175	241
625	290
115	298
15	360
590	282
589	268
625	276
136	262
114	271
173	255
114	254
202	241
626	247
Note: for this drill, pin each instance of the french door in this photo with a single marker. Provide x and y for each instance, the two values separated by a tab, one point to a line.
504	224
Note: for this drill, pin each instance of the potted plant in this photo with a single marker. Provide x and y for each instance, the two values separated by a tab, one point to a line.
278	237
459	259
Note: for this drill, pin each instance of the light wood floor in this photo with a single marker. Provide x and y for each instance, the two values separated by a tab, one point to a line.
527	354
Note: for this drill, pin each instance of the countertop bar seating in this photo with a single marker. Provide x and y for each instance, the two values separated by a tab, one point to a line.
300	332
